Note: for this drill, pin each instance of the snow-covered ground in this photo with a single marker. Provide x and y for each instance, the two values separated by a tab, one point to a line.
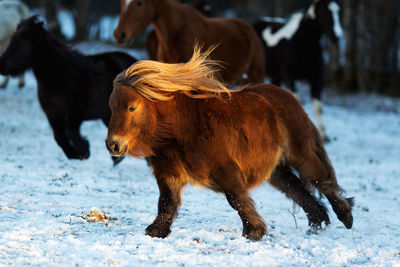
44	198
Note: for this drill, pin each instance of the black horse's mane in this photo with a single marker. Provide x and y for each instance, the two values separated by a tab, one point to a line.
63	55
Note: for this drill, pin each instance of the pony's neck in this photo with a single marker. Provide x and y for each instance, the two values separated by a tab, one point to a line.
176	118
309	30
52	57
168	22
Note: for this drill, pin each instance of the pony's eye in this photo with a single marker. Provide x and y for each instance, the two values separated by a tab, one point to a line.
131	109
139	3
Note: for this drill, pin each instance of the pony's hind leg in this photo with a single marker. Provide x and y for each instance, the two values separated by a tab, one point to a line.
315	168
254	227
287	182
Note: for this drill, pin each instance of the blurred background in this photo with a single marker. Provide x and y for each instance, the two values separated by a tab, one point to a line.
366	60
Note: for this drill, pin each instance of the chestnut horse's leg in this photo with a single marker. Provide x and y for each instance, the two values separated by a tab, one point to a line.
286	181
230	181
254	227
256	72
315	168
170	198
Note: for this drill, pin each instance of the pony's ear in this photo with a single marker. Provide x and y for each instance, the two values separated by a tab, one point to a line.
38	21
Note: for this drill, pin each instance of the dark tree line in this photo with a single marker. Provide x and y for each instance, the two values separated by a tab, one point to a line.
368	60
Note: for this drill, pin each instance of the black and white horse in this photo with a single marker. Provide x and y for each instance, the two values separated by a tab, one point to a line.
293	50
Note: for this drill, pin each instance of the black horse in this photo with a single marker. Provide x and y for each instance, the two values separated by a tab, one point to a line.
293	49
72	87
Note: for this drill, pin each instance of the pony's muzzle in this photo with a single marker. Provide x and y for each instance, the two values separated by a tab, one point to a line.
120	36
116	146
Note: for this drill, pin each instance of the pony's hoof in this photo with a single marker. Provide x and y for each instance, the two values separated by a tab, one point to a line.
84	156
155	230
255	232
347	220
316	219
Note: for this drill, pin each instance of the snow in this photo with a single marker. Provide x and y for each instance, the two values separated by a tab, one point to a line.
45	199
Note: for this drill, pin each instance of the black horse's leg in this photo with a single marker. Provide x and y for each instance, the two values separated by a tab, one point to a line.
287	182
170	198
5	82
21	80
80	144
57	123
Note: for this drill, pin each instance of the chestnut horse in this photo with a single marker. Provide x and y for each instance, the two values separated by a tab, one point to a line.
192	129
178	27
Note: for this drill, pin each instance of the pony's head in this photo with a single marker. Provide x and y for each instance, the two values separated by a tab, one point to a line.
145	94
326	14
135	16
18	56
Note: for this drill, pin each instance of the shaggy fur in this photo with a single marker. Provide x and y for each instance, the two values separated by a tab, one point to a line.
229	142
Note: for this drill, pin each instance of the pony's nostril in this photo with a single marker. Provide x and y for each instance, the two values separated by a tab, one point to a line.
115	147
122	36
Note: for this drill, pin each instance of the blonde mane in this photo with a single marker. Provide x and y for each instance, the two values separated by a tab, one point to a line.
159	81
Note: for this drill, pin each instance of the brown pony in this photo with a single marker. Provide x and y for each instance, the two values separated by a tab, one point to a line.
192	129
179	26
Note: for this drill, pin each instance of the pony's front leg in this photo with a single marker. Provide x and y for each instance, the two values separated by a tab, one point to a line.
57	123
170	198
5	82
254	227
80	144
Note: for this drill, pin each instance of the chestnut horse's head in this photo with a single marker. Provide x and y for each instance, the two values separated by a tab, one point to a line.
135	16
135	127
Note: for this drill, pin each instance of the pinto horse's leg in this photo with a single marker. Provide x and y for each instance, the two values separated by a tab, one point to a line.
293	89
170	198
254	227
287	182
